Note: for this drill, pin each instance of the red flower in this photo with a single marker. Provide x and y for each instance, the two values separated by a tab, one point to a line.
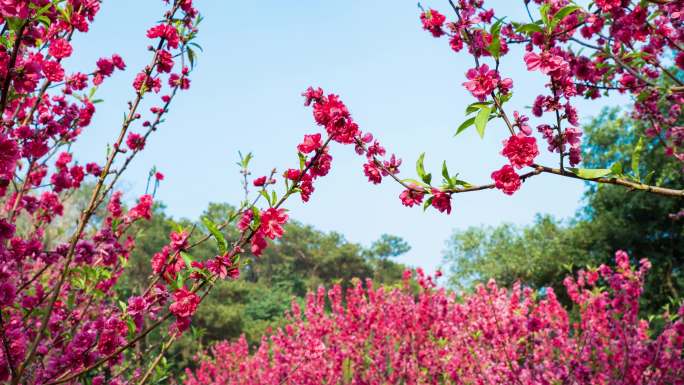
185	303
143	209
60	48
135	141
312	95
179	241
223	266
245	220
506	179
413	196
372	172
433	22
482	81
9	154
547	63
520	150
271	221
258	182
292	174
53	71
165	31
311	143
258	244
441	200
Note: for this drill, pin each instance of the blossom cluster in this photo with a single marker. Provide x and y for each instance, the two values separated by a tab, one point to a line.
59	315
494	335
612	46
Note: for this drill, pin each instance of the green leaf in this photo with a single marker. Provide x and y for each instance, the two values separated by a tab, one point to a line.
347	371
476	107
616	168
427	203
302	161
591	173
408	181
563	13
494	47
636	158
191	56
481	120
244	160
187	258
214	230
528	29
264	194
544	12
463	183
469	122
445	173
420	169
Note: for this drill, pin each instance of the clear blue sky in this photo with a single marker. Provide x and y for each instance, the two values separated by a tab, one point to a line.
399	82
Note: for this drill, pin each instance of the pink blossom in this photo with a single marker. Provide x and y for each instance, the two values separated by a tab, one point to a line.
135	142
185	303
506	180
311	143
481	81
441	200
433	21
412	196
272	220
520	150
60	48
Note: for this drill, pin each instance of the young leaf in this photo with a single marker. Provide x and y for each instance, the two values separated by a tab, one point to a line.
213	229
544	11
476	107
420	169
616	169
264	194
529	29
494	47
187	258
591	173
563	13
636	158
481	120
469	122
302	161
427	203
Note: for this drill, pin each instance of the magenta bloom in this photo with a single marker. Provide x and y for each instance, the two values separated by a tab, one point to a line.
441	200
272	220
520	150
413	196
433	22
481	81
135	142
60	49
311	143
506	179
372	172
260	181
185	303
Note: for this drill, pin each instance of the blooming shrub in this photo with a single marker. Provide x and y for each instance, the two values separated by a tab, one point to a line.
491	336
